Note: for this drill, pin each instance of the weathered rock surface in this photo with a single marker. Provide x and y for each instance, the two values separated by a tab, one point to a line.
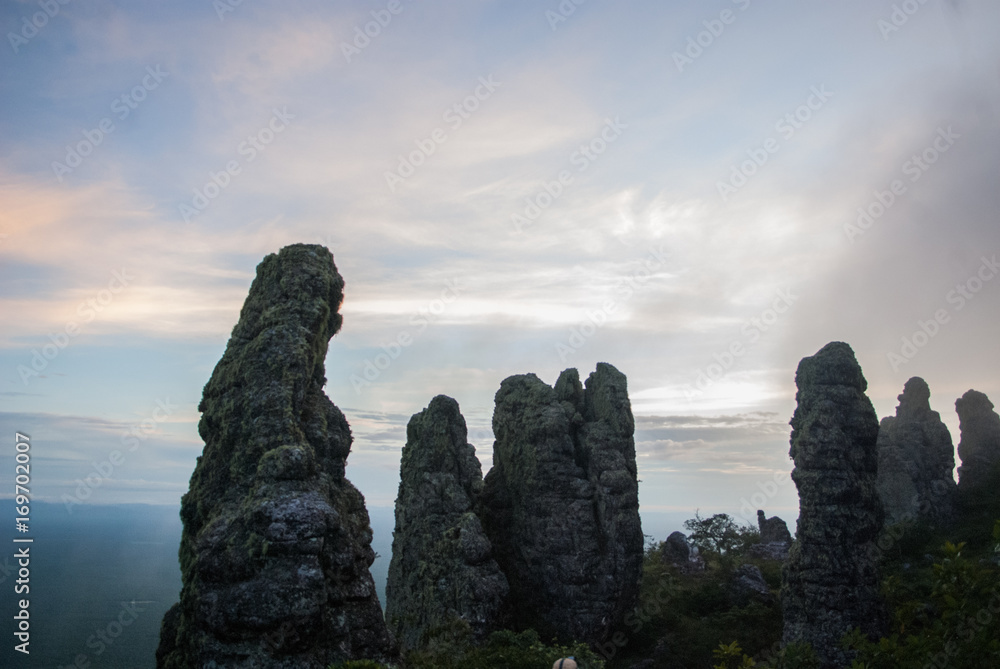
775	539
979	447
748	585
560	504
442	565
276	546
831	581
773	530
676	549
916	458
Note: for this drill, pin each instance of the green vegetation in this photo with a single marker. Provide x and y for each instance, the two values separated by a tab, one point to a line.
945	607
944	598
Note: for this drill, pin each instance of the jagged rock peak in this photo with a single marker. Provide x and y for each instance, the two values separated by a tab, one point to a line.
560	503
830	583
773	530
979	447
916	460
276	545
442	569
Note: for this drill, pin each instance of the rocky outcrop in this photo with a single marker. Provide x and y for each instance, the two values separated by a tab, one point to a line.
773	530
916	458
442	567
775	539
676	549
560	504
979	447
831	581
276	546
747	585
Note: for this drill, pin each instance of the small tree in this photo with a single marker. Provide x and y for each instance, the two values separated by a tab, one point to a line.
719	533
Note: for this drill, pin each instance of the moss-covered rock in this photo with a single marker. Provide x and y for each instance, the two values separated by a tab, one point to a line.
276	546
831	580
442	567
560	504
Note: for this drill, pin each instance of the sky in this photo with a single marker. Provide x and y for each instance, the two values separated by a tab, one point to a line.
699	193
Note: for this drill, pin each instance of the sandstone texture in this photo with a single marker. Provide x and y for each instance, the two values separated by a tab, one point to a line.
276	546
560	504
831	580
442	567
916	459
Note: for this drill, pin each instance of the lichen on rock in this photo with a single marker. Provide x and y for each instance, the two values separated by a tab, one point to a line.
442	567
560	504
276	545
830	584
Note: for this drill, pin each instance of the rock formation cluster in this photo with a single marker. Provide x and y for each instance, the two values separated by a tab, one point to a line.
560	504
442	567
979	447
916	458
831	581
276	546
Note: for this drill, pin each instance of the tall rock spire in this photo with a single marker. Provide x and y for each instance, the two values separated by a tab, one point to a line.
916	459
831	581
442	567
560	504
276	546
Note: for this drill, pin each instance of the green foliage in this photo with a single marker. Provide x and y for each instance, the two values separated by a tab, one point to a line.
731	656
720	534
684	615
792	656
947	613
358	664
502	650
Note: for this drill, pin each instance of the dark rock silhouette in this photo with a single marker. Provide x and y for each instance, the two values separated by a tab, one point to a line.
276	546
916	458
979	447
560	504
831	580
442	567
773	530
775	539
676	549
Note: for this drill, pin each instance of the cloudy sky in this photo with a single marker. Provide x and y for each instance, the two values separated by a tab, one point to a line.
700	193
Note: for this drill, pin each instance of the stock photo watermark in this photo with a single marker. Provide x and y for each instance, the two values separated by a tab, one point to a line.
899	17
104	470
31	26
625	288
959	297
364	34
562	12
251	147
914	167
752	330
455	115
87	311
122	106
373	367
758	156
582	158
697	44
223	7
106	636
